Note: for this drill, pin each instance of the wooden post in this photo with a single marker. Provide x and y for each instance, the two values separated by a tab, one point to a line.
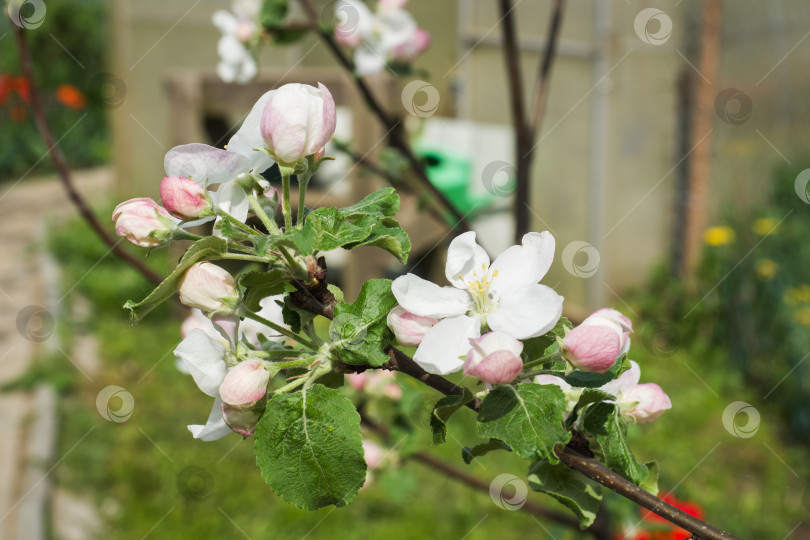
699	168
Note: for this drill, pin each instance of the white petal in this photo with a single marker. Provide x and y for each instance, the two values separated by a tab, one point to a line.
200	162
523	265
249	137
368	61
528	311
442	350
624	381
232	199
426	299
215	428
204	358
225	21
231	50
271	311
226	71
398	28
466	260
247	70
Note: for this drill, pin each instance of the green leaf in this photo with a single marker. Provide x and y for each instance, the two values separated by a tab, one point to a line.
260	285
589	379
651	482
588	397
536	348
303	240
309	448
293	316
208	248
384	202
443	410
528	417
359	330
576	491
605	423
273	12
468	454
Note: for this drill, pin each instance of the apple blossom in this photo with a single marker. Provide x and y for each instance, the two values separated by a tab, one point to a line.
297	121
637	402
504	296
373	453
572	394
409	50
599	341
494	358
184	198
209	288
238	27
409	329
245	384
143	222
375	383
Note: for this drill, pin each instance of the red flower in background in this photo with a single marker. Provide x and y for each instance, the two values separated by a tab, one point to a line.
70	96
661	528
10	84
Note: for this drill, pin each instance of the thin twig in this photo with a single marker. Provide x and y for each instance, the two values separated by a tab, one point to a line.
62	168
397	138
544	74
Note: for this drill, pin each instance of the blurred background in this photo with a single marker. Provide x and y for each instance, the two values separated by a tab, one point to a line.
671	167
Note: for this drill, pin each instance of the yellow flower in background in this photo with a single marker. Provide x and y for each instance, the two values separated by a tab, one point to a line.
719	236
798	295
803	316
766	269
764	226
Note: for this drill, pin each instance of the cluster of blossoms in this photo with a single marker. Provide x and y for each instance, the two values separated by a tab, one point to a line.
477	324
389	34
226	348
240	31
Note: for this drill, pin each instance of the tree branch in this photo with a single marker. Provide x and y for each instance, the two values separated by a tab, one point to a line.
397	138
544	75
62	168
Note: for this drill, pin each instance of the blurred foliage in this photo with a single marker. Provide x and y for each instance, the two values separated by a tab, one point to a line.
751	301
149	472
68	52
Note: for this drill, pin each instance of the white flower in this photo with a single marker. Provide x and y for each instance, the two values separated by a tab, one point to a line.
236	62
637	402
504	296
203	353
208	165
378	36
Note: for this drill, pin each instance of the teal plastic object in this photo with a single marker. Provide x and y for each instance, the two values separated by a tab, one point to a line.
451	173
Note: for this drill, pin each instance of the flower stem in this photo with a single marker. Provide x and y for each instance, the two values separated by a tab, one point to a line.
285	198
303	181
556	355
281	330
235	222
243	257
269	224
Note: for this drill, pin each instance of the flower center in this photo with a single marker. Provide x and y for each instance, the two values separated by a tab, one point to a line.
478	287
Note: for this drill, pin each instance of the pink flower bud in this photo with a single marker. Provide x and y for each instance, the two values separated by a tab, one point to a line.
184	198
242	421
409	329
143	222
245	384
356	380
409	50
494	358
209	288
373	453
298	120
596	343
393	391
643	402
